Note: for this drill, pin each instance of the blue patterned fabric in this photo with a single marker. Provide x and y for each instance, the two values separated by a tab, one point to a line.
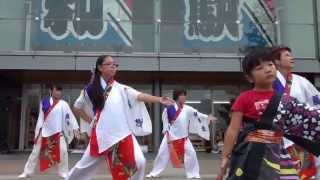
278	87
171	112
45	104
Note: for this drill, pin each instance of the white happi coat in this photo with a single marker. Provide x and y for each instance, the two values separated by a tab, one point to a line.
189	120
301	88
83	102
121	116
60	119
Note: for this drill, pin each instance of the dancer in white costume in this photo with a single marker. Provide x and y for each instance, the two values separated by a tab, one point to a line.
178	121
55	129
120	114
300	88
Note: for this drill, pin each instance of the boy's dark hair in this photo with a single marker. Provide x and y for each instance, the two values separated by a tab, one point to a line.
178	92
277	50
58	87
254	58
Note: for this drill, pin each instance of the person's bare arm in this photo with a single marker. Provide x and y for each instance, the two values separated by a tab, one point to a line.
82	114
154	99
229	142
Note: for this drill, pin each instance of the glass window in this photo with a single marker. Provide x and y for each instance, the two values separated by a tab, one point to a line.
296	18
13	9
302	45
296	11
12	34
30	107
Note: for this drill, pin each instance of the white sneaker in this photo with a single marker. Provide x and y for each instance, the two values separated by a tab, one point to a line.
151	176
216	151
198	177
23	176
63	176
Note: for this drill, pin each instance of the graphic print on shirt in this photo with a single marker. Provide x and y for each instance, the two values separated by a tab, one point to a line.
261	105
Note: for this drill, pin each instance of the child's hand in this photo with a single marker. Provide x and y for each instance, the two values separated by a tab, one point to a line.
219	177
223	168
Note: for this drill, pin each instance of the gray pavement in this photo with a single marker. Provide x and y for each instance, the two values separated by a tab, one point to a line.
12	164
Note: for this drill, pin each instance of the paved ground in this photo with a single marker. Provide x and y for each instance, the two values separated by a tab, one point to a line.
12	164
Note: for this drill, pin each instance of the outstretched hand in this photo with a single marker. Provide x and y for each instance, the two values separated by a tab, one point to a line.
212	119
166	101
76	133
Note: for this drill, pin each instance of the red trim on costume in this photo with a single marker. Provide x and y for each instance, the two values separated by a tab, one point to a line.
94	148
49	151
287	88
121	159
178	112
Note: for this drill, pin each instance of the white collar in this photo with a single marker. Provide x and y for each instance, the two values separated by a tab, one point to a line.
281	78
51	100
103	83
176	106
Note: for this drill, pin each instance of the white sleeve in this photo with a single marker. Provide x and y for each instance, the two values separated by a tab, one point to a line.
132	93
39	121
41	114
165	121
311	93
198	123
193	112
73	121
79	103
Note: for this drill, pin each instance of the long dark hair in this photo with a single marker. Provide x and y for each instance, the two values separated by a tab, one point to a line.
97	97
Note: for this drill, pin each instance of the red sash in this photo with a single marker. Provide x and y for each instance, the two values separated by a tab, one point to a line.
49	152
121	159
176	150
94	148
176	147
50	146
